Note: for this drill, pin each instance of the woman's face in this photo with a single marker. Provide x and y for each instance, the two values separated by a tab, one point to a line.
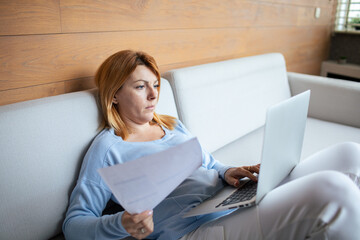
137	98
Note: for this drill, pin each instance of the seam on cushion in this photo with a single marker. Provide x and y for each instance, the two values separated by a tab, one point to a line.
177	101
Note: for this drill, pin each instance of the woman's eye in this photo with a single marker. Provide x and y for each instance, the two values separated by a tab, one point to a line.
140	87
156	85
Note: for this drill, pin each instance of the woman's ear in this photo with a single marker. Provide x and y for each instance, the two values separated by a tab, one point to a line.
114	101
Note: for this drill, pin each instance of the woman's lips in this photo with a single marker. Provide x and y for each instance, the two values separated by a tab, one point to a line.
150	107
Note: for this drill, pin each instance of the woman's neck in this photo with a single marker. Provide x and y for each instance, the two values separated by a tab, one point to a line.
145	132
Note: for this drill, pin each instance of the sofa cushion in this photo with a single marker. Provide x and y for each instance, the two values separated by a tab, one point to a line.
166	104
332	99
318	135
42	145
220	102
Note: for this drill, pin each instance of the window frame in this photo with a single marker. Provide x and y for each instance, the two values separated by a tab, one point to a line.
342	18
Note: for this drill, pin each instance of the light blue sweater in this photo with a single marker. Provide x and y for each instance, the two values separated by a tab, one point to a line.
90	196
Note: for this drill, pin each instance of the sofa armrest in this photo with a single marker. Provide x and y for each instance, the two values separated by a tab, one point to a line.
332	100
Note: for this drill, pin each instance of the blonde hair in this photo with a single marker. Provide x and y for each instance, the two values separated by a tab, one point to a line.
111	76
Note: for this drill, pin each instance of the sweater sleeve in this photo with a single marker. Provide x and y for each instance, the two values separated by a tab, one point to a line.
84	220
208	161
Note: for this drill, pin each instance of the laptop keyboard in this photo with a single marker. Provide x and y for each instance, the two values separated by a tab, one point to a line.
246	192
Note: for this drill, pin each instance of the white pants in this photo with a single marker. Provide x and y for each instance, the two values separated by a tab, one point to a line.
316	201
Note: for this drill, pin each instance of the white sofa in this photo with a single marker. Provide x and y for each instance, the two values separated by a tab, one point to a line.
43	141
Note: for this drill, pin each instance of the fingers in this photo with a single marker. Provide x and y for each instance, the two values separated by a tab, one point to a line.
137	218
233	175
248	172
233	181
138	225
253	169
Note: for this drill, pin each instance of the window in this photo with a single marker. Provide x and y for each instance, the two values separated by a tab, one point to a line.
348	16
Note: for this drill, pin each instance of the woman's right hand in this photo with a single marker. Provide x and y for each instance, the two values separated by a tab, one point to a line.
138	225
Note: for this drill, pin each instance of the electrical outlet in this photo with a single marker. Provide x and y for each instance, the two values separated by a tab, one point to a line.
317	12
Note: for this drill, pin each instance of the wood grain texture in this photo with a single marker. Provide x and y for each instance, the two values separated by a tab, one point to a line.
311	67
53	58
29	17
80	84
311	3
114	15
30	93
50	47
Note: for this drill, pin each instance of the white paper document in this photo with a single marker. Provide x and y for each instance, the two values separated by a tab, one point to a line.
143	183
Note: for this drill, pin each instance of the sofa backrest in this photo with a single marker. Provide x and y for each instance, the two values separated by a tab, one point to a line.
220	102
42	144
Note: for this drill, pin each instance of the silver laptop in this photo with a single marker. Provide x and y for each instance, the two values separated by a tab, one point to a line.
282	145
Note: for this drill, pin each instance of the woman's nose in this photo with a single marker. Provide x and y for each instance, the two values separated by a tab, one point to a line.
152	94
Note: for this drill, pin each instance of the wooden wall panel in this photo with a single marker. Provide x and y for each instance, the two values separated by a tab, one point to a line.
29	17
75	85
71	56
113	15
29	93
310	3
50	47
312	67
53	58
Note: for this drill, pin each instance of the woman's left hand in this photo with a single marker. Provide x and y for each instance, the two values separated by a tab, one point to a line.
232	175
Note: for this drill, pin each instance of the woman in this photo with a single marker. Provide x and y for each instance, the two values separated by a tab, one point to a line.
313	202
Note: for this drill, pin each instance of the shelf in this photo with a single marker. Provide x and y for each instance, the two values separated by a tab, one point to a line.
348	70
